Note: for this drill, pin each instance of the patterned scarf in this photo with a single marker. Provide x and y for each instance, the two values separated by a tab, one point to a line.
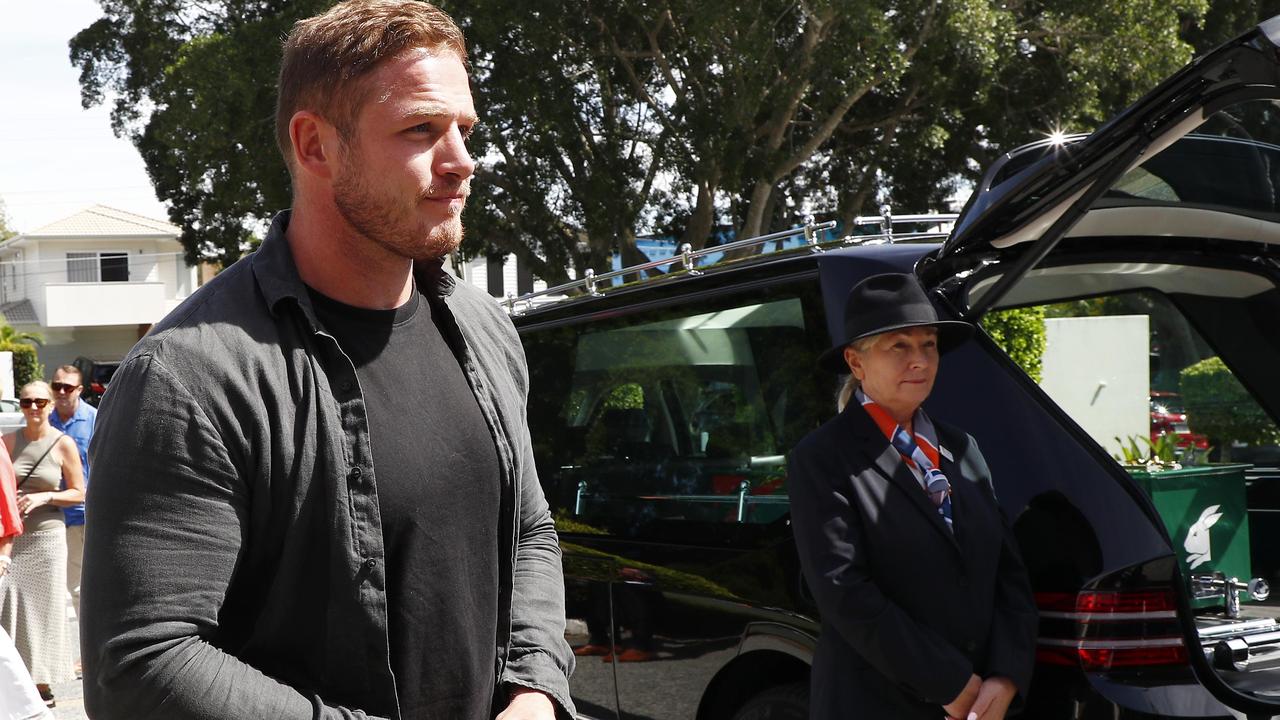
919	450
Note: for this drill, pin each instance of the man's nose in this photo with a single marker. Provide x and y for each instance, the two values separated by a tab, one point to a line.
452	157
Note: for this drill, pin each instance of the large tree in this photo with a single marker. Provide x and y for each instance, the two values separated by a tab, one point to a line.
193	86
570	157
603	119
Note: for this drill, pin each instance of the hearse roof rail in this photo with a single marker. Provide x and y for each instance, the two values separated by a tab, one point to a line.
590	282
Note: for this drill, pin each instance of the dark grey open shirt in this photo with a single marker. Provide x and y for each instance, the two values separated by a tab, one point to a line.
234	557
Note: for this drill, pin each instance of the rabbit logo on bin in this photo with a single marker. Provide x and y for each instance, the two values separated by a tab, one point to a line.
1197	543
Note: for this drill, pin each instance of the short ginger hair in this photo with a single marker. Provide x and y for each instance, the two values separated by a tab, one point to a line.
327	55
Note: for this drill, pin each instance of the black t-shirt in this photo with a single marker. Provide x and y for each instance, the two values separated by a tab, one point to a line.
436	472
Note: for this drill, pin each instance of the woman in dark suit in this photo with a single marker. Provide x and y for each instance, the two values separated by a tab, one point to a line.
926	609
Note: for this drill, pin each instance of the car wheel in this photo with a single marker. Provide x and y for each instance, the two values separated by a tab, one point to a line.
785	702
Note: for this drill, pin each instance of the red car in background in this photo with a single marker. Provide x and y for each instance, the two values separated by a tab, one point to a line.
1169	416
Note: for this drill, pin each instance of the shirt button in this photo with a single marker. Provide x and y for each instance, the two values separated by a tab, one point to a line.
369	563
354	475
346	386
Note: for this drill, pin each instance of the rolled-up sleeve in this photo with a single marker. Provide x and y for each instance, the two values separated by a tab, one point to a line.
167	528
539	656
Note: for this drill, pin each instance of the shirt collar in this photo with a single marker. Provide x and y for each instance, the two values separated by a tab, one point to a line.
81	413
278	279
921	425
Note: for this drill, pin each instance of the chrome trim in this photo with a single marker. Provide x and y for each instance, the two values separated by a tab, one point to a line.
1104	617
1238	629
1111	644
687	257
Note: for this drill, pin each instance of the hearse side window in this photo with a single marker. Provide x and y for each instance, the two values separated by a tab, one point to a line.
1137	375
678	417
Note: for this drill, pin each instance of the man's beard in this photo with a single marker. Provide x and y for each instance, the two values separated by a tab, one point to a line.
391	222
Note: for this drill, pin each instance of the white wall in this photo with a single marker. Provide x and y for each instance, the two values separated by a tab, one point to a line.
1098	370
63	345
107	303
476	272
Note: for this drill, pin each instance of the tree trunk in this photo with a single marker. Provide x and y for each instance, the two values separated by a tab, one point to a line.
631	255
698	231
761	192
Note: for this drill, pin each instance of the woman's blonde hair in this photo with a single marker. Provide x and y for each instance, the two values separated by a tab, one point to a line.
851	383
44	387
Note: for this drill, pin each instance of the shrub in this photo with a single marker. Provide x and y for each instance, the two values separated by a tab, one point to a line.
1020	333
1219	406
26	364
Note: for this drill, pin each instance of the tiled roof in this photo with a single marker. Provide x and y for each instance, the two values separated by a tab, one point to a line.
99	220
19	312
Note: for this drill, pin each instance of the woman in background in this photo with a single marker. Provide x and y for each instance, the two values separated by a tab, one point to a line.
18	696
33	608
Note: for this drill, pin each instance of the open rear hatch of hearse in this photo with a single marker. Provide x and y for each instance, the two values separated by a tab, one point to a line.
1163	227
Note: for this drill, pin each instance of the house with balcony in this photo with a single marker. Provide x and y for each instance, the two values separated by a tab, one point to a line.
93	283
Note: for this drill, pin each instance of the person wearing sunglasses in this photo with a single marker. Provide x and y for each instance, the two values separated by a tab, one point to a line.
33	604
77	419
927	611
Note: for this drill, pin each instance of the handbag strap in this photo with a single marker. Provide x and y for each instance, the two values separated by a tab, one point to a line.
47	450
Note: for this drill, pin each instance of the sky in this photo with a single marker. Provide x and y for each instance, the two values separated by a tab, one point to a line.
55	157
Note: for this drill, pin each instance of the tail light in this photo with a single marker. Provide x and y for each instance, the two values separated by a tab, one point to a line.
1106	629
97	387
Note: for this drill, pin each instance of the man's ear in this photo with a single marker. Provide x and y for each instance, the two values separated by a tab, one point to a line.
315	144
853	361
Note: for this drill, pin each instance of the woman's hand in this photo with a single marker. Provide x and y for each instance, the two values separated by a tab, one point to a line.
960	707
28	503
993	699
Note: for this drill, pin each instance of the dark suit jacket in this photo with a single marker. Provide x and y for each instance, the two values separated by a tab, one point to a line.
909	610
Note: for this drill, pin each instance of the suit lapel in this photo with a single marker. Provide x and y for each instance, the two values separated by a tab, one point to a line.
872	443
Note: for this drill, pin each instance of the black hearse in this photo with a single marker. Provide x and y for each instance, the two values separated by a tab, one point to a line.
662	412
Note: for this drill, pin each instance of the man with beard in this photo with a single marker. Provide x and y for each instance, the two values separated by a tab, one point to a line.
314	493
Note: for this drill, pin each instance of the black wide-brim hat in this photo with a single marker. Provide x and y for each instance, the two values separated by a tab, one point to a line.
883	303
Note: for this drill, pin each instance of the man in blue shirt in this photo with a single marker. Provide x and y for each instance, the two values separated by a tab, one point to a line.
76	419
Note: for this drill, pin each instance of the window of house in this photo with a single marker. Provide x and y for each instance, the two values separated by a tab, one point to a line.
97	267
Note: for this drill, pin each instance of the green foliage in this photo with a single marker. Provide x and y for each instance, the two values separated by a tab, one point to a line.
1020	333
26	364
628	396
1159	454
1193	456
1218	406
604	119
10	336
1226	19
206	76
